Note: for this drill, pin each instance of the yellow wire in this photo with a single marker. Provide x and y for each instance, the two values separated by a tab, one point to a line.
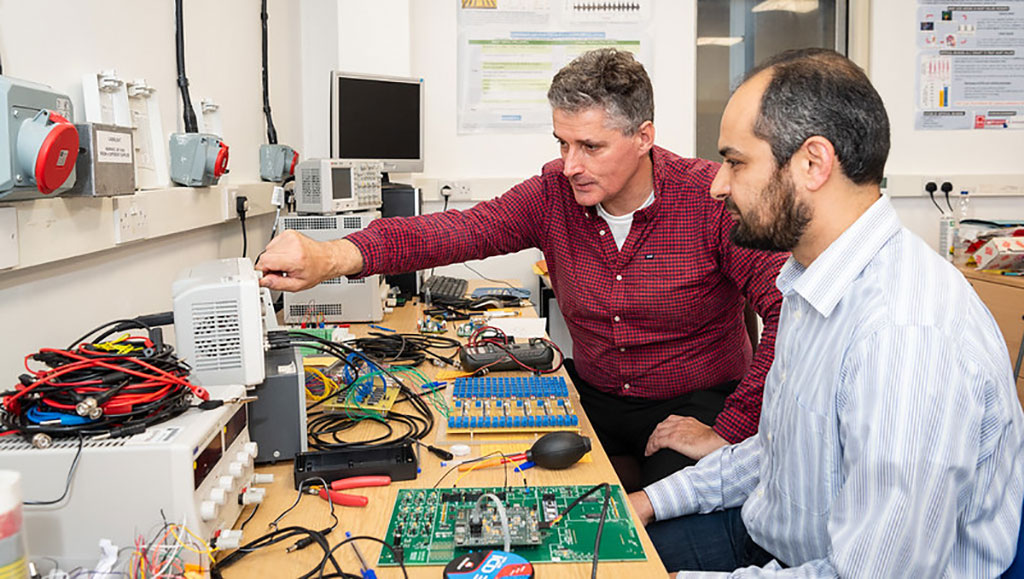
471	469
208	551
330	386
117	346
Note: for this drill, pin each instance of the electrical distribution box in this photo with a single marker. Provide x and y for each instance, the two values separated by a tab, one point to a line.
106	162
277	162
197	159
38	143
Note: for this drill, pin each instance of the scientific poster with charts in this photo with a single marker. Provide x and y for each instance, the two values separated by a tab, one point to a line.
509	50
970	65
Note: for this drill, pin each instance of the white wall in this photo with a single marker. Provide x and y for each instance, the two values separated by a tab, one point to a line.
453	156
55	42
350	36
893	63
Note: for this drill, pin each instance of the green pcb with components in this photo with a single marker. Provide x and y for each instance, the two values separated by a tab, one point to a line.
432	526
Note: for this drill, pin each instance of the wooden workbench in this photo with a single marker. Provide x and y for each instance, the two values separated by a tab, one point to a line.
1004	297
312	512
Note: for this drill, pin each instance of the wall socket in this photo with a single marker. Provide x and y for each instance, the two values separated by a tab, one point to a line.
460	190
131	222
227	210
1010	185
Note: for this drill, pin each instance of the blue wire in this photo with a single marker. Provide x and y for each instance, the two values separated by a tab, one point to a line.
38	416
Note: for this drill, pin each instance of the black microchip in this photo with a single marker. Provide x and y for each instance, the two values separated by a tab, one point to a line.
548	496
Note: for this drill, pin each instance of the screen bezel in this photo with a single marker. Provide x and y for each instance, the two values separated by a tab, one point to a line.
390	165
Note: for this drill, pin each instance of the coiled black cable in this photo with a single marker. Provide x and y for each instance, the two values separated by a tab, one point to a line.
405	349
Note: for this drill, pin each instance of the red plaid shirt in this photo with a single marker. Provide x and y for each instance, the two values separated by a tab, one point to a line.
661	317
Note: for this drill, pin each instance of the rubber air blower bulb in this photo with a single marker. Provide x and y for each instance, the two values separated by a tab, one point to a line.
558	450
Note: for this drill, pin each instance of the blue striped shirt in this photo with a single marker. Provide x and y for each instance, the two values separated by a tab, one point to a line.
891	440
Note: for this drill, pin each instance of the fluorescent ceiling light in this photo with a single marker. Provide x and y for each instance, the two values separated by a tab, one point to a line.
719	40
798	6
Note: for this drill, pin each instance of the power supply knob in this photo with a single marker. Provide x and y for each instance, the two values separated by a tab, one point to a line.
244	458
226	482
236	469
208	510
219	496
252	448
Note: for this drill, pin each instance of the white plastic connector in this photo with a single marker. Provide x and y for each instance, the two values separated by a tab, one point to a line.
229	539
251	498
262	478
277	197
340	335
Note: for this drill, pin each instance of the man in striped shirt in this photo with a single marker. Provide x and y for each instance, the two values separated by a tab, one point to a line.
891	437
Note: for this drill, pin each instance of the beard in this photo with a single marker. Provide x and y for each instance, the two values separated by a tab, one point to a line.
786	218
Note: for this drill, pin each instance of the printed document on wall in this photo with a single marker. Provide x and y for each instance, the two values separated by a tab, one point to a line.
970	64
509	50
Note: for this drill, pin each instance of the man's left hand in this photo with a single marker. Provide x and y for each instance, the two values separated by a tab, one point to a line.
685	435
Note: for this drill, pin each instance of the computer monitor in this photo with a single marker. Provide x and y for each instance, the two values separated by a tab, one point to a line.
378	118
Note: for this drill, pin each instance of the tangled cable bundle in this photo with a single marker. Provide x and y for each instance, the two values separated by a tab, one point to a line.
100	388
491	335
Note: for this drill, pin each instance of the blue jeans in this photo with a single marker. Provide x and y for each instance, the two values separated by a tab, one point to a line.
714	542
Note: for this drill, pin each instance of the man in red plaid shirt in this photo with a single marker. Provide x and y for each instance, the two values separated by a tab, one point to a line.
640	258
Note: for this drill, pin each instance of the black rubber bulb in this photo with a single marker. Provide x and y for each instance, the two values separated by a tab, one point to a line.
558	450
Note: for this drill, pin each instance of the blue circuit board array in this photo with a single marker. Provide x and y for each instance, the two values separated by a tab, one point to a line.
525	403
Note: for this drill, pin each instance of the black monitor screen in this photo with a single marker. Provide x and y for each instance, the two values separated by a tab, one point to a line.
377	119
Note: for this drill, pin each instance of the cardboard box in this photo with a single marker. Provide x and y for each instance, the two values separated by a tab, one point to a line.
1001	253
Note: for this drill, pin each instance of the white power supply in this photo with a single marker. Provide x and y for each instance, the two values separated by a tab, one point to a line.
219	324
197	468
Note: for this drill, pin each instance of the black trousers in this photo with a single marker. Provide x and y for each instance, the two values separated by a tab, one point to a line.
623	425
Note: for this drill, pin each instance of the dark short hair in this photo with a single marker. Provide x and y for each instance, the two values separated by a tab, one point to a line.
816	91
607	78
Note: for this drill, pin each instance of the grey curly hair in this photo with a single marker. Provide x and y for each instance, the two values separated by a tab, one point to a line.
610	79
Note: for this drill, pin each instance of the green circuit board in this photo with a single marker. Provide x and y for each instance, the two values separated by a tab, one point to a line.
433	526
